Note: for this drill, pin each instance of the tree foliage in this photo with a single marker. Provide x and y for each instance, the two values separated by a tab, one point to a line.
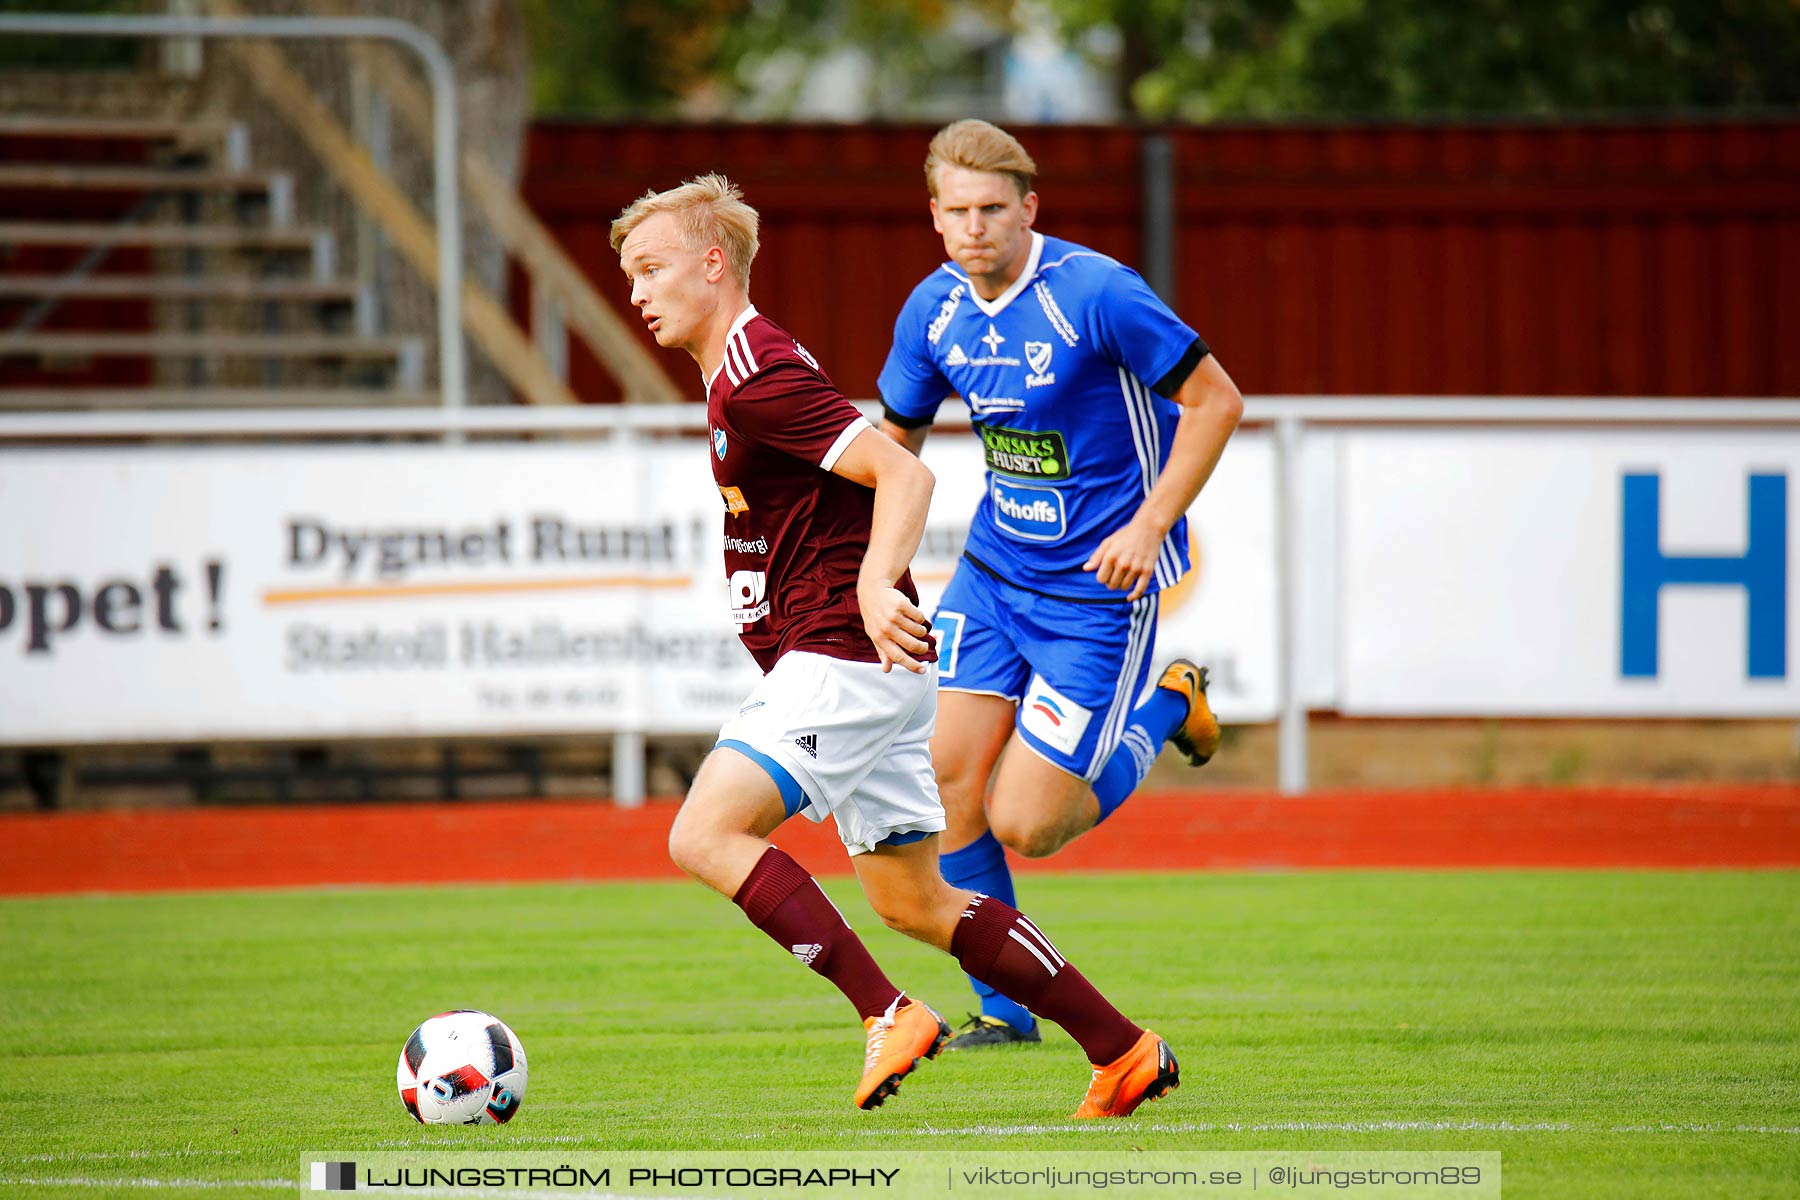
622	58
75	53
1191	59
1201	59
615	58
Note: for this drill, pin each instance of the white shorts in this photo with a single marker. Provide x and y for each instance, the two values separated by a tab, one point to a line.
855	740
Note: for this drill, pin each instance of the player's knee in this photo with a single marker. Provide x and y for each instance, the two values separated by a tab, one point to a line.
959	768
916	916
690	845
682	850
1026	835
904	919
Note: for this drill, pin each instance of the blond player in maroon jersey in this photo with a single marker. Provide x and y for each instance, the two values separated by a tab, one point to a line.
822	516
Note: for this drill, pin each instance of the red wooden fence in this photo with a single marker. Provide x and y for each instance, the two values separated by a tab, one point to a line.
1508	259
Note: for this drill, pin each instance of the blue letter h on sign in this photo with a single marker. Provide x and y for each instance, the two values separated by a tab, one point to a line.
1761	571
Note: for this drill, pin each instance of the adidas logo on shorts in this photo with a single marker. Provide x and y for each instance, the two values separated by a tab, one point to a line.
806	954
808	742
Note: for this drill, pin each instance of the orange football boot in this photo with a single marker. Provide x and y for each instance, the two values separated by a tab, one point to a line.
899	1040
1145	1072
1198	734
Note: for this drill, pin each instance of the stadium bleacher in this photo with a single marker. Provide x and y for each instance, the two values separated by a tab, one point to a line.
222	242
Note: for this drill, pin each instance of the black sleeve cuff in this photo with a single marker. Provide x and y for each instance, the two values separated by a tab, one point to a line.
1169	384
906	422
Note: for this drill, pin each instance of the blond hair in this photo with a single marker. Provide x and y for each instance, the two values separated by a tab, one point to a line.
710	211
976	145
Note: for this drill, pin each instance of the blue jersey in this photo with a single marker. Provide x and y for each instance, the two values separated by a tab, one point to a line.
1068	378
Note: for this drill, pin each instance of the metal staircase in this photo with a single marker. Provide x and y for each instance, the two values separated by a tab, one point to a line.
149	264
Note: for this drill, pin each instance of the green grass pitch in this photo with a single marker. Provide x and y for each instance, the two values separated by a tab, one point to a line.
1613	1034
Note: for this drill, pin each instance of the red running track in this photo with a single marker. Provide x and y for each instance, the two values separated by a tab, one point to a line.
468	842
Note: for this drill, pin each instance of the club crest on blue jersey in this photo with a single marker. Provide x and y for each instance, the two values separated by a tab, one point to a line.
1037	357
719	443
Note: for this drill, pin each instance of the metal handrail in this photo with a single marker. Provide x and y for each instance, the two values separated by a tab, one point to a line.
82	268
451	371
1312	411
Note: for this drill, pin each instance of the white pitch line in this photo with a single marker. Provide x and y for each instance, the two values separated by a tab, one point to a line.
1091	1129
1268	1127
1787	1129
84	1182
526	1140
90	1156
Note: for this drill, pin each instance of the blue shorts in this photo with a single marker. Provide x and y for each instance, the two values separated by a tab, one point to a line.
1074	669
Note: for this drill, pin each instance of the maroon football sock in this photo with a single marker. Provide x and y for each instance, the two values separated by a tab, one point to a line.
999	945
783	901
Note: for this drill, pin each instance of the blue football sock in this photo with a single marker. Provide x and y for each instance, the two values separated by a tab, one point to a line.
1151	724
981	867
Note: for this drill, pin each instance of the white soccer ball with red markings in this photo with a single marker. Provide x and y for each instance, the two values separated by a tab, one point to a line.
462	1068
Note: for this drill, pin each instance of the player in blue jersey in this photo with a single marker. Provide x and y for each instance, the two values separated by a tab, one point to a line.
1102	415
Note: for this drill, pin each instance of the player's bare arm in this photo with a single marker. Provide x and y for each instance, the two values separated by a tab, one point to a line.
902	486
1210	410
912	439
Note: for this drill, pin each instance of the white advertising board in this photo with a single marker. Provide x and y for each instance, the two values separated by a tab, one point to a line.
296	592
424	590
1568	572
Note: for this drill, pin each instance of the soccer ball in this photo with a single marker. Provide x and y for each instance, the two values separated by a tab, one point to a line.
462	1068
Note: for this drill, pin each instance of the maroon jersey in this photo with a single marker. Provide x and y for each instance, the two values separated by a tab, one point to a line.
795	534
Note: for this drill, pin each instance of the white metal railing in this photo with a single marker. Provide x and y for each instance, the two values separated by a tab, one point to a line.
452	373
612	418
1289	416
